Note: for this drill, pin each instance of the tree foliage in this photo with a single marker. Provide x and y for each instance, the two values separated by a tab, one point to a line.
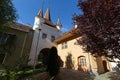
100	27
7	12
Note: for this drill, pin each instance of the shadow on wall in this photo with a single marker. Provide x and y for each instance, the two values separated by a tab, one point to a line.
69	64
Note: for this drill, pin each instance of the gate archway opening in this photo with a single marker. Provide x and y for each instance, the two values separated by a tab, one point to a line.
43	57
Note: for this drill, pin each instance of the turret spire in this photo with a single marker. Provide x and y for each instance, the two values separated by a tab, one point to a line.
58	24
40	13
47	15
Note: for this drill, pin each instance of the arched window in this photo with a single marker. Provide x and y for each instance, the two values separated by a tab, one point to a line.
82	61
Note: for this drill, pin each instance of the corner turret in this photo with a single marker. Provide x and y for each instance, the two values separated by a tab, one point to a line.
38	20
58	24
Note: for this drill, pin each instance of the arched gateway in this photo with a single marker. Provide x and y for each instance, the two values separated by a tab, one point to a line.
43	56
45	32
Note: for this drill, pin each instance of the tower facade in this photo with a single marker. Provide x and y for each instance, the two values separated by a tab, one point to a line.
45	32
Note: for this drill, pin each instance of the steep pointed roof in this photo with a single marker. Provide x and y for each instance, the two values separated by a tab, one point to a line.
40	13
59	22
47	15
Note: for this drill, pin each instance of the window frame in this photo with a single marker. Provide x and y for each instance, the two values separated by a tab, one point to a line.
52	38
5	37
44	35
64	45
3	60
82	61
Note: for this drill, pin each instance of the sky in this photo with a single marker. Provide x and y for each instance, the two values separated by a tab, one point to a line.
64	9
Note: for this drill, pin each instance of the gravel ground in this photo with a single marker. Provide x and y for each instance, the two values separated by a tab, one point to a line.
66	74
108	76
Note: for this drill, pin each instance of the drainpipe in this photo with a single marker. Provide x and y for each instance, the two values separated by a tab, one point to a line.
36	49
89	62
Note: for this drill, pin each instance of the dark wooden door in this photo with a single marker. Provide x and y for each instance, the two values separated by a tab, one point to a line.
105	66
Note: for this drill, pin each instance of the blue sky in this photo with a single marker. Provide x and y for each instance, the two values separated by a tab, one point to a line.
28	9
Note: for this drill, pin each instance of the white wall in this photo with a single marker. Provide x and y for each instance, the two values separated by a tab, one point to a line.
42	43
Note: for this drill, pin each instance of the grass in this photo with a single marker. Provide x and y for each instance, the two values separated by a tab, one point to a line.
23	73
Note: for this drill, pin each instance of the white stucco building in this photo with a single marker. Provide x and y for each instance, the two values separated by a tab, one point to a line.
45	32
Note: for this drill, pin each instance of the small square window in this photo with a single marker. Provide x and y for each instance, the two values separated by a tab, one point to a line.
52	38
64	45
44	36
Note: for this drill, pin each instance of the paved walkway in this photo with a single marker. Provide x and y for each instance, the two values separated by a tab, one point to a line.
66	74
102	77
108	76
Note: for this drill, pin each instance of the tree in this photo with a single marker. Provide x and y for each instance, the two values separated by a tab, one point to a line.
7	13
100	27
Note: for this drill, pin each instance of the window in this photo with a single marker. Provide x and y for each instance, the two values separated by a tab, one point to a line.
2	57
82	61
3	38
44	36
5	41
6	38
52	38
64	45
